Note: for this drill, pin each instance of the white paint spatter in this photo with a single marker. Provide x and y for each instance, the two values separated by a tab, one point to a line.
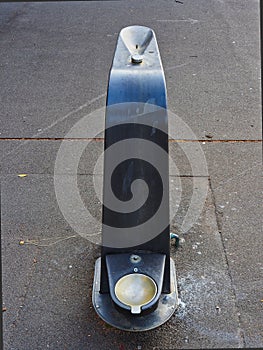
177	66
200	297
181	311
189	20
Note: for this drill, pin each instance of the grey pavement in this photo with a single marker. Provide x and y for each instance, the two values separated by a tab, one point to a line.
55	60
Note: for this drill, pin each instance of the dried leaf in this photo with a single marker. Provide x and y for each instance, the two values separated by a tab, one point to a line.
21	242
22	175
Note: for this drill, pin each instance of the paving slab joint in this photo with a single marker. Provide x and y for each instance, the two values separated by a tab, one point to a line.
218	216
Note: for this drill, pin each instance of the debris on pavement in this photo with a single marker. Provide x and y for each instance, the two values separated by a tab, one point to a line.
209	136
38	242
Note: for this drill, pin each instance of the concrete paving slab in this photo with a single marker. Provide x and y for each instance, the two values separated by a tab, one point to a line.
17	270
54	62
57	312
23	220
228	161
236	181
40	156
234	187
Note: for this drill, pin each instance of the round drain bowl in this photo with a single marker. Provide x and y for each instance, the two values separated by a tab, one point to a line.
135	290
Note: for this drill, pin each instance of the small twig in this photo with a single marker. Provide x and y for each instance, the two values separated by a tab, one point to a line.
58	239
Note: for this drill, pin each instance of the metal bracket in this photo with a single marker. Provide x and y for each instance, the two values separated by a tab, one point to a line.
106	309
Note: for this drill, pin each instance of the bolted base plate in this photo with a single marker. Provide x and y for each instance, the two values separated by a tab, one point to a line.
105	308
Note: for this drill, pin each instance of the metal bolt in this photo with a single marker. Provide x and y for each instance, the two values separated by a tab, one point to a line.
135	258
136	58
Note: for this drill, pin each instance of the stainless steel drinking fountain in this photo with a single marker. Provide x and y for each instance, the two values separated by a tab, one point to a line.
135	280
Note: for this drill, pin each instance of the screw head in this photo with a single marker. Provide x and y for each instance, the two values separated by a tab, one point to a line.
136	58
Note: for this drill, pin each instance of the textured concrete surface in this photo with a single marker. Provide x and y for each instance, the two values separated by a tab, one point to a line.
51	305
56	57
55	60
237	194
